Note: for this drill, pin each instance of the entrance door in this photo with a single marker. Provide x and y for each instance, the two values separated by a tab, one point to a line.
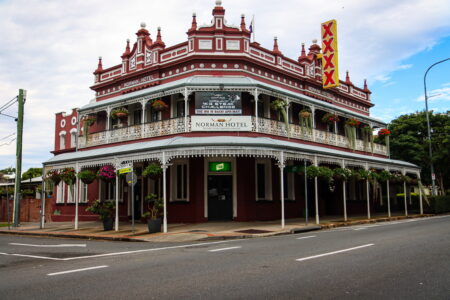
220	199
137	199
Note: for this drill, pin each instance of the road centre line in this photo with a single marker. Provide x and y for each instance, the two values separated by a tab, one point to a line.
223	249
77	270
49	246
122	253
306	237
333	252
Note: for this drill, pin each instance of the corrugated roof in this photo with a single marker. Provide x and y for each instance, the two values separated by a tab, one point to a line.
192	142
226	81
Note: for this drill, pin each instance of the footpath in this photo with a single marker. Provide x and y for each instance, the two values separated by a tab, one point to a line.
190	232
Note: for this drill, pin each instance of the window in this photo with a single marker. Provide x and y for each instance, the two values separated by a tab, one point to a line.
180	108
107	190
62	141
180	181
60	192
263	179
154	115
83	192
70	193
73	139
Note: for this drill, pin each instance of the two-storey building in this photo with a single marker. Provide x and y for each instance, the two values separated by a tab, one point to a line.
202	110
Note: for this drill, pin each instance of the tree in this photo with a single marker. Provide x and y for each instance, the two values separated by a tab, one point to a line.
32	173
409	142
8	171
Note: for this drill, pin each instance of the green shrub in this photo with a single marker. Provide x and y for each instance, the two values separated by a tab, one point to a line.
438	204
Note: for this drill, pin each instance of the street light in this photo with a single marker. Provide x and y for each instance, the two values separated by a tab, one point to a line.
428	125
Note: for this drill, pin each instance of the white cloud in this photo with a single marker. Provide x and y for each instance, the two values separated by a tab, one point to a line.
440	94
50	48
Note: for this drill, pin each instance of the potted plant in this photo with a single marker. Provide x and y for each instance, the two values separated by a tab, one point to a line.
87	176
280	107
107	173
385	133
367	132
154	206
342	174
105	211
153	171
159	105
350	131
305	117
88	121
384	176
330	118
119	113
54	177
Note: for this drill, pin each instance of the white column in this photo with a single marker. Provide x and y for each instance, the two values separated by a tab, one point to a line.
316	194
255	96
42	199
368	200
117	201
186	98
388	198
344	194
164	167
313	114
77	180
281	165
420	194
404	198
144	109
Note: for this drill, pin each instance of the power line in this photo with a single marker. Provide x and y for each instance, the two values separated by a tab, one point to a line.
6	107
12	100
8	143
4	138
1	114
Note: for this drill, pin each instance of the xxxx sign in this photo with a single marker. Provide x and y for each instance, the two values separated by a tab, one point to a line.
330	76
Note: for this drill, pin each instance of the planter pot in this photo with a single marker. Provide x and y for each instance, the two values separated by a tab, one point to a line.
338	177
305	114
87	180
154	226
121	115
108	224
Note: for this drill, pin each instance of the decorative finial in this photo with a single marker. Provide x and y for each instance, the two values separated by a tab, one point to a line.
314	41
143	25
275	46
218	3
366	88
194	14
243	16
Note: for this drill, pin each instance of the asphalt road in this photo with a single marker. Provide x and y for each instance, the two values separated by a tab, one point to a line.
394	260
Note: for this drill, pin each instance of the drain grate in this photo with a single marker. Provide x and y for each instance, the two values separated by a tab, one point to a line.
253	231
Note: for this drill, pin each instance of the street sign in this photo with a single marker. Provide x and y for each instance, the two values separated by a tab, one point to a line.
126	168
131	178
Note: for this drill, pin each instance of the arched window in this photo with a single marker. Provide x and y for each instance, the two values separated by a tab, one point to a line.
73	138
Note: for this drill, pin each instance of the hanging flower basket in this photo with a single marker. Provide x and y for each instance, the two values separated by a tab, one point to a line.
87	176
304	113
119	113
352	122
280	107
159	105
384	132
153	170
107	173
342	174
305	117
330	118
68	175
367	132
54	176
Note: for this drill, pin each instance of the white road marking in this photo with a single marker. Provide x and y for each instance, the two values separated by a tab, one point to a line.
77	270
49	246
124	252
306	237
334	252
223	249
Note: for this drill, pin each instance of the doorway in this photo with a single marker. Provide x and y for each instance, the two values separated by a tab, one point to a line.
137	199
220	197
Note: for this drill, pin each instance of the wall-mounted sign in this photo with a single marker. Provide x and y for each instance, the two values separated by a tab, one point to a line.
221	123
330	77
218	103
219	166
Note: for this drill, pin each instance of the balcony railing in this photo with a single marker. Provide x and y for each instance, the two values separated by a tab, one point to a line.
177	125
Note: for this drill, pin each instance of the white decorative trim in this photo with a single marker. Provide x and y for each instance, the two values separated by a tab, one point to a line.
63	123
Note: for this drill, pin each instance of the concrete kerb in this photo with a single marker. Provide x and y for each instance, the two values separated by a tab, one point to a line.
214	237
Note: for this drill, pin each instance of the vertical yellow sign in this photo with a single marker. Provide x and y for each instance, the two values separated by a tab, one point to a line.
330	72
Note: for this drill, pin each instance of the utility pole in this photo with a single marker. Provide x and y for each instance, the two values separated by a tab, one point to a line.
18	179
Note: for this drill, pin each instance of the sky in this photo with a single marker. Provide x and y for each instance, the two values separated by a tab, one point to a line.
51	48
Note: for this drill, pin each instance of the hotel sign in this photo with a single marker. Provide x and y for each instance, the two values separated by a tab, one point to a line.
221	123
218	103
330	76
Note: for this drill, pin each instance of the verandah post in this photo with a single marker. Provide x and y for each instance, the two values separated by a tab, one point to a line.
281	165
